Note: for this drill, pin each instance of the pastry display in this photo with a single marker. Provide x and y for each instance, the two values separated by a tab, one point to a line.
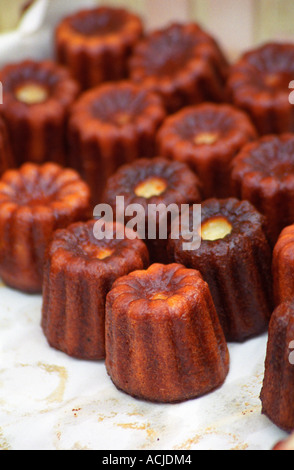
35	200
148	182
163	339
207	137
277	390
235	260
183	63
96	43
283	266
259	84
113	136
111	125
38	96
263	173
79	271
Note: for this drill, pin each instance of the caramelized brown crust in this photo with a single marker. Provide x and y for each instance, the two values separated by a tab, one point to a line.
263	173
109	126
277	390
179	186
283	266
182	63
236	267
6	156
207	137
37	129
35	201
95	44
79	271
259	84
164	342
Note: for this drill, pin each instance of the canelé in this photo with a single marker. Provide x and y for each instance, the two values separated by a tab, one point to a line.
79	271
277	390
259	84
96	43
37	99
263	173
283	266
207	137
183	63
111	125
234	259
153	183
164	342
35	200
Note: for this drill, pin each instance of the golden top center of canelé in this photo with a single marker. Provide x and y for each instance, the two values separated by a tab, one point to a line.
216	228
159	296
103	253
151	187
31	93
206	138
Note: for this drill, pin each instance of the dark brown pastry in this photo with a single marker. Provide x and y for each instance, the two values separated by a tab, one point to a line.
283	266
259	84
181	62
79	271
207	137
277	390
96	43
153	182
38	96
6	156
164	342
111	125
234	258
263	173
34	201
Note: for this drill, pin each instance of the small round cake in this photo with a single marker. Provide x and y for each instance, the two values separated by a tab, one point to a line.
96	43
6	156
277	390
109	126
207	137
37	98
153	182
163	339
234	259
181	62
259	84
35	200
79	272
283	266
263	173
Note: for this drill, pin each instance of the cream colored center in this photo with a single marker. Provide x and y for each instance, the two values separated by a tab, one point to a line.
151	187
32	93
160	296
206	138
215	228
103	253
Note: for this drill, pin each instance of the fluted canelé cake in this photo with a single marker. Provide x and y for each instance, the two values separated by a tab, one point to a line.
234	258
79	272
35	200
164	342
37	98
